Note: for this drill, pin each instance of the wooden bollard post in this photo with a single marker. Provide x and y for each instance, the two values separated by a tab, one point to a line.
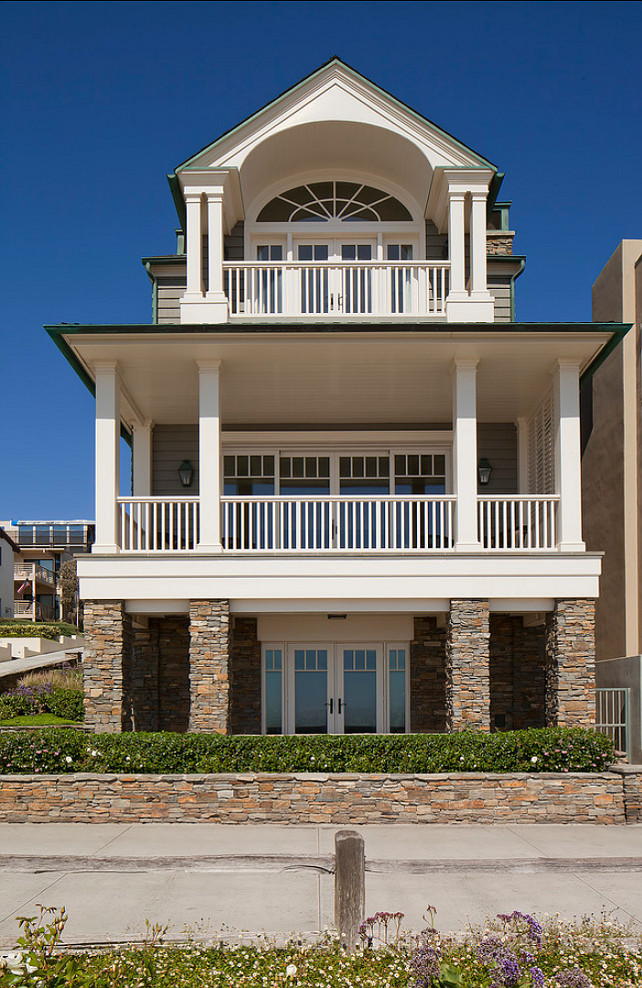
349	886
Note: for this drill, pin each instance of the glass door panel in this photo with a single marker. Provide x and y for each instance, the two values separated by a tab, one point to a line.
314	282
305	524
356	287
311	701
248	524
421	475
357	705
362	523
401	278
397	690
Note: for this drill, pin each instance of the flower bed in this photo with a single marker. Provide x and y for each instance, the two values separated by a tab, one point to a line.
516	951
547	750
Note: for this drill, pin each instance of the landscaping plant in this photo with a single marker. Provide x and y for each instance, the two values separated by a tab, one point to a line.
546	750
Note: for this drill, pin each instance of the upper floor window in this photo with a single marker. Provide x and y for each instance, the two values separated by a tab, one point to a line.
320	202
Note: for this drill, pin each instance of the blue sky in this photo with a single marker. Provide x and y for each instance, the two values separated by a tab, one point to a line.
101	100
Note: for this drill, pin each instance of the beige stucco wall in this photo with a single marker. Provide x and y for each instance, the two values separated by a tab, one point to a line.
610	462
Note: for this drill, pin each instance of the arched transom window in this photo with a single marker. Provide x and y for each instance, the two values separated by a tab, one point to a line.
320	202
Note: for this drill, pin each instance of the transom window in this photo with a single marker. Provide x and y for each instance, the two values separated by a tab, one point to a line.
320	202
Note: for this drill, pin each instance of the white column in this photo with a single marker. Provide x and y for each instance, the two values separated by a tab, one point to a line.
215	291
209	455
464	376
568	476
456	247
107	456
142	458
522	455
194	246
478	284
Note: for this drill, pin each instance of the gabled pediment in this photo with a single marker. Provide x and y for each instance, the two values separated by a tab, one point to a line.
334	96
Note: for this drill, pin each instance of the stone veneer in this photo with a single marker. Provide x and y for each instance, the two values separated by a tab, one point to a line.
517	673
278	798
428	676
106	664
209	650
467	666
570	664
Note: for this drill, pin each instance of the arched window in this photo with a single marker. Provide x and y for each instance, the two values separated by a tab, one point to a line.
320	202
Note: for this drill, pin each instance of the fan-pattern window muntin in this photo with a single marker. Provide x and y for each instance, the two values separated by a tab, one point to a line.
320	202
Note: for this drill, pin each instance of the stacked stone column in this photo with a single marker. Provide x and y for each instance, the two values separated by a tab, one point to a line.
468	666
209	650
108	645
570	664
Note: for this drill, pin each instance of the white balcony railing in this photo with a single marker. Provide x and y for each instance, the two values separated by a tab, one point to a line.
397	524
343	524
343	289
152	524
517	522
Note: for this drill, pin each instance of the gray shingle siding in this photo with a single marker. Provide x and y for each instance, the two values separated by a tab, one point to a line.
497	441
171	445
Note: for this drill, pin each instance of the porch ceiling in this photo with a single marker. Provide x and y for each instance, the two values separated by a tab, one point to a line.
345	377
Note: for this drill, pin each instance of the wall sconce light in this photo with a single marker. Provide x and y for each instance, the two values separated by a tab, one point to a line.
186	473
484	471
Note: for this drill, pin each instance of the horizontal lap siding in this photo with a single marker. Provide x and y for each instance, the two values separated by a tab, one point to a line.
170	289
497	442
500	288
171	445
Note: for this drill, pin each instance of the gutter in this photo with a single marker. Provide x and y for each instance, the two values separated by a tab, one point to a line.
152	278
516	274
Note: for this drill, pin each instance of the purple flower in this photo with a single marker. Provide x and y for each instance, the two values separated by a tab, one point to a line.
573	978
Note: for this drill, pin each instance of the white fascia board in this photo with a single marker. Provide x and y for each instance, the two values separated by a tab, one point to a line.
324	577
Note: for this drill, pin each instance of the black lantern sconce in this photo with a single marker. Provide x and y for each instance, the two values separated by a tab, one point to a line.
186	473
484	471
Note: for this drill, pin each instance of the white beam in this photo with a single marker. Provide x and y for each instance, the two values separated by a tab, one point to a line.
209	455
464	377
107	456
568	476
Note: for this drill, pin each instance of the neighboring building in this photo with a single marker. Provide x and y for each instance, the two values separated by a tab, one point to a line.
356	479
611	488
8	549
44	546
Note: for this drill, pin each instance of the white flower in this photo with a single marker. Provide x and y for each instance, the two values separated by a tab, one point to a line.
461	758
534	760
68	759
93	753
290	971
128	759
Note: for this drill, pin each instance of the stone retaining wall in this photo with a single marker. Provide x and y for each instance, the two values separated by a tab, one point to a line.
273	798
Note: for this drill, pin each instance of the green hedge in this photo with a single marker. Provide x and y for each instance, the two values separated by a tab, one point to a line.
66	703
28	629
549	750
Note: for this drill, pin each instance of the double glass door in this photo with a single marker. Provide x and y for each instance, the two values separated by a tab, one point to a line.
335	688
341	281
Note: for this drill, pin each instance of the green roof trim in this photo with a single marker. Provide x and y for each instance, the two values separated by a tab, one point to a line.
57	335
339	61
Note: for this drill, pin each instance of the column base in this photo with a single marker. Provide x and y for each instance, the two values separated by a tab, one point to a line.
210	549
466	308
467	546
571	546
199	309
105	549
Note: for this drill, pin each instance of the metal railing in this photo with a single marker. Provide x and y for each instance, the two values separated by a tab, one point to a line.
517	522
25	572
344	524
24	608
341	289
612	716
152	524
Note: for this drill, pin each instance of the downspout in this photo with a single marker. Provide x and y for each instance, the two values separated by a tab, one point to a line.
152	278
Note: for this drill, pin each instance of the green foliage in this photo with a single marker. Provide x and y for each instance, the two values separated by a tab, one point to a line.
545	750
35	720
38	965
43	699
30	629
66	703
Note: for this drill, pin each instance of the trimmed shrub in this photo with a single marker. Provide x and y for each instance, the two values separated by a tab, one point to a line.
28	629
40	698
545	750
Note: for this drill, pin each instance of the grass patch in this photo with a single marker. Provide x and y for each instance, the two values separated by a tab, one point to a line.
35	720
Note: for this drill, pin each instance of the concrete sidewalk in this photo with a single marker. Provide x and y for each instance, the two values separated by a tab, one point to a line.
209	877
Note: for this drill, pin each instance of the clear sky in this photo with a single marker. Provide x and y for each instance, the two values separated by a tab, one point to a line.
101	100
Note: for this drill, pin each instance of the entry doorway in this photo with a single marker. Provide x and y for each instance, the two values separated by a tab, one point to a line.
342	688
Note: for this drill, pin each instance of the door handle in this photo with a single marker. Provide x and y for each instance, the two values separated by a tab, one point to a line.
340	704
330	704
